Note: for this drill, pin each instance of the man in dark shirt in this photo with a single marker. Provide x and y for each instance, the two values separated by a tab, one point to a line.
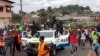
34	28
98	30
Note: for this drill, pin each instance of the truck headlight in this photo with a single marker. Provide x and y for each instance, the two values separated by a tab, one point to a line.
24	42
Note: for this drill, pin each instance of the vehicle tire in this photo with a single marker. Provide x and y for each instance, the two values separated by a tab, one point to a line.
53	52
62	48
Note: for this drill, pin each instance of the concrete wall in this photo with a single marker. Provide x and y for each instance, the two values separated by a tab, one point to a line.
4	13
5	16
4	22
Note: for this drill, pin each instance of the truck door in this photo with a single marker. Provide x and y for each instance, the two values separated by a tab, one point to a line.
58	41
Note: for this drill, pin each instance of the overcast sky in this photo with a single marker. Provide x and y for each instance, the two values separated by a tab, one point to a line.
33	5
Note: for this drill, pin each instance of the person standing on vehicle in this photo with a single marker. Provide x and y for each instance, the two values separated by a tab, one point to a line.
43	50
34	28
59	27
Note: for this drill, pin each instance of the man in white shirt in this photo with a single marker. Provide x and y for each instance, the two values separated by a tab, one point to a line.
87	34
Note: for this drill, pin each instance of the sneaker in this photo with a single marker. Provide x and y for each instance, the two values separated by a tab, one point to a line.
83	47
74	53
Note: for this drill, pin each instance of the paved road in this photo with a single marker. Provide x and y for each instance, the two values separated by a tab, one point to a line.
80	51
66	52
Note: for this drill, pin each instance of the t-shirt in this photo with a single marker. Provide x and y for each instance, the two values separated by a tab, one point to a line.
86	31
83	36
94	36
20	28
46	47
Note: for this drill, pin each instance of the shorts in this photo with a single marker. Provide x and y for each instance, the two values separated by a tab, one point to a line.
95	41
9	43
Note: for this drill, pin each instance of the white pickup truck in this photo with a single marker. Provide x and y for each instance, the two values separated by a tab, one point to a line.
56	41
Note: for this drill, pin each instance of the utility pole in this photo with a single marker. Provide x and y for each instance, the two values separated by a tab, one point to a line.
21	8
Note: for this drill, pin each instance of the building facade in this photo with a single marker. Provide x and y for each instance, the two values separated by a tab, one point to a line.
96	19
5	12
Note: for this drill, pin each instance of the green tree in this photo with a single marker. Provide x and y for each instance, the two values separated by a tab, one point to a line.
49	9
49	13
16	18
87	8
71	20
23	13
43	15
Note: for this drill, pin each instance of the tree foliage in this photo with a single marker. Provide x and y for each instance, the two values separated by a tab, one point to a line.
73	8
64	10
23	13
45	14
16	18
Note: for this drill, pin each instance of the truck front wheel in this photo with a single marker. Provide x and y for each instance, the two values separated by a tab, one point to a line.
53	52
62	48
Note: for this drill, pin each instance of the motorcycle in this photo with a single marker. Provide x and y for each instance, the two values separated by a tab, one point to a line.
31	50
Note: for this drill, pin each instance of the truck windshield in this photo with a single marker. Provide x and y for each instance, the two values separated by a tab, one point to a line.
46	34
25	34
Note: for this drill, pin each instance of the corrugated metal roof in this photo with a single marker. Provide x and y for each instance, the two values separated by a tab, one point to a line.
74	17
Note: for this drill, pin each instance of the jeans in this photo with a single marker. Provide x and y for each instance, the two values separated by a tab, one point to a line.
2	51
83	43
74	48
15	46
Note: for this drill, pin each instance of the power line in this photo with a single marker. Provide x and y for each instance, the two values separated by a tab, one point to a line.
21	8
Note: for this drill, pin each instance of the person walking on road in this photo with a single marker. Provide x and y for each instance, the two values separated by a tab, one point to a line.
16	42
73	42
94	36
43	50
91	53
95	41
86	31
83	37
90	37
94	51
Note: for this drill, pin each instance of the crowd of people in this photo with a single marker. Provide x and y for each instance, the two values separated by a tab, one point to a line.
78	36
12	38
